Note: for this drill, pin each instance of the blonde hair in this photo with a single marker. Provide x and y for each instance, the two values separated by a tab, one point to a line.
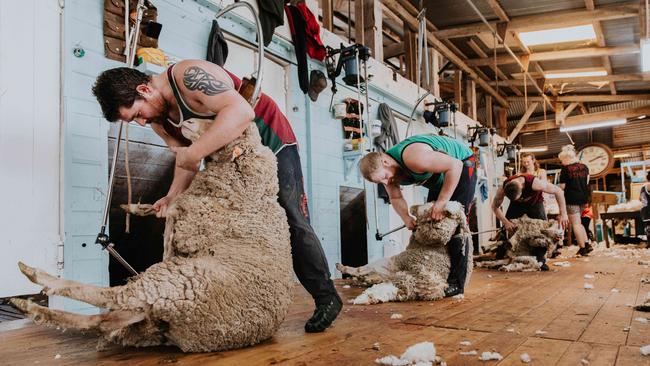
370	164
568	155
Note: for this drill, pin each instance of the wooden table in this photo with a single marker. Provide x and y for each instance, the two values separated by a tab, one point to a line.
625	215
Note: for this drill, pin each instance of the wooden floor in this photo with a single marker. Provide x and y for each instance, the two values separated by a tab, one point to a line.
549	315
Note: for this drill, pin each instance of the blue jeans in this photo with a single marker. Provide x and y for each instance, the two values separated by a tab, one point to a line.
309	261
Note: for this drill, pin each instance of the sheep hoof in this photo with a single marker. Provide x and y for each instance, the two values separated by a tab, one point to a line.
29	272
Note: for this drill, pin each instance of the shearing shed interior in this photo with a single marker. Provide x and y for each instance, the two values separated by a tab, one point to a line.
325	182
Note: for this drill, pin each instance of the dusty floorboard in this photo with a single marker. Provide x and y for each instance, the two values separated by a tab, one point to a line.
550	316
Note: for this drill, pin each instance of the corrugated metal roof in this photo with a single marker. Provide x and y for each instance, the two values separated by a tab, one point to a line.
631	133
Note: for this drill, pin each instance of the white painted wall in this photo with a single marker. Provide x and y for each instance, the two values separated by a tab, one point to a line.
29	140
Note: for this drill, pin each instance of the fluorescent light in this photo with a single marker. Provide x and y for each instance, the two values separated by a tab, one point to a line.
584	126
645	54
534	149
569	74
622	155
641	116
558	35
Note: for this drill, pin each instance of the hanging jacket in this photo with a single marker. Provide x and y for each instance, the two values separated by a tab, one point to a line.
298	35
271	16
217	45
315	47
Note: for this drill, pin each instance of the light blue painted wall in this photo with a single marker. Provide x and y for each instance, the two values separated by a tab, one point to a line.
186	25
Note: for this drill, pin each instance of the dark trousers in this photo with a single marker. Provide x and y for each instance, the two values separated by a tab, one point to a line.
457	248
309	261
534	211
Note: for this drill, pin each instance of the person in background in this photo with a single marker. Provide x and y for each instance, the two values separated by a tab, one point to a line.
574	180
644	197
525	192
586	217
529	165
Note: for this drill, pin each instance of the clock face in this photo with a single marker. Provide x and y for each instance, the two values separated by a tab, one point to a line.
597	158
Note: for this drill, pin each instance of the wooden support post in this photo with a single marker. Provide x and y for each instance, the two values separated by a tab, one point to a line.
458	89
328	14
470	95
559	113
410	54
359	22
371	28
434	80
502	122
488	110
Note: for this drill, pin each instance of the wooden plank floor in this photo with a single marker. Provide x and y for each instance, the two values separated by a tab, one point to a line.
549	315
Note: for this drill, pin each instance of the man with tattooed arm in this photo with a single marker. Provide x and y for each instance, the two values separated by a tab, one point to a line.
197	90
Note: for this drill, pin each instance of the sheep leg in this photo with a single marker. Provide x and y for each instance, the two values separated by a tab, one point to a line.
94	295
375	272
102	322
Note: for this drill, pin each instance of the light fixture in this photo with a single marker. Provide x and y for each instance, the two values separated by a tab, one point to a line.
585	126
641	116
574	74
534	149
622	155
558	35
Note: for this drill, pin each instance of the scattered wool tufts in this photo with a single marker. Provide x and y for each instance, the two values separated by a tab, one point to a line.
57	356
465	343
588	286
562	264
615	290
396	316
588	276
423	353
382	292
458	297
488	356
645	350
644	263
469	353
584	362
525	358
641	320
540	332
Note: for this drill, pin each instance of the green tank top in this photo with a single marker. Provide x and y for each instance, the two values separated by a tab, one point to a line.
443	144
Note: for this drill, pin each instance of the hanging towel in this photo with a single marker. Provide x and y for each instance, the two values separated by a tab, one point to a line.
315	47
386	139
388	136
217	45
271	16
298	35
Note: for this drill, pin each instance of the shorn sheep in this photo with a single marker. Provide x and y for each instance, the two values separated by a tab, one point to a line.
226	276
419	272
532	236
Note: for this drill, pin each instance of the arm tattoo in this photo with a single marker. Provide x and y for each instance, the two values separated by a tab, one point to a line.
195	78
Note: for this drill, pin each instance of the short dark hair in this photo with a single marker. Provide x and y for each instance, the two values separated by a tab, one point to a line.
116	88
512	190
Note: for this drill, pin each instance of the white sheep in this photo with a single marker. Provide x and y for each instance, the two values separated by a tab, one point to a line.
519	249
419	272
226	276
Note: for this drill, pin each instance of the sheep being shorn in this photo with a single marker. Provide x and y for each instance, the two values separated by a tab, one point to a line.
419	272
520	249
226	276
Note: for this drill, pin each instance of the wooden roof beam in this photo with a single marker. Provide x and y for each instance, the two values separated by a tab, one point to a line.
600	38
587	118
587	79
401	9
582	98
549	20
559	55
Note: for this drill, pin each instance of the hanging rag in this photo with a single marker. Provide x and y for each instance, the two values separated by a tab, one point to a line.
315	47
298	35
271	16
385	140
388	136
217	45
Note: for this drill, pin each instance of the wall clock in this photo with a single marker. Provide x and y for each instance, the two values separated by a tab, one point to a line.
598	158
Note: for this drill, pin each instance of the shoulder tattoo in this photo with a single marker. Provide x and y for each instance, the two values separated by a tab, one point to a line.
195	78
